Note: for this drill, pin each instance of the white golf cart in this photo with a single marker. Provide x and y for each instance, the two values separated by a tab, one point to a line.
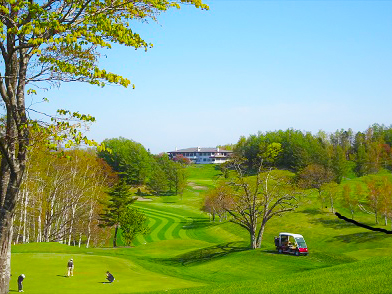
291	243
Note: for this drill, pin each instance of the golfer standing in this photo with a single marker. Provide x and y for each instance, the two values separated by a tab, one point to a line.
20	282
70	267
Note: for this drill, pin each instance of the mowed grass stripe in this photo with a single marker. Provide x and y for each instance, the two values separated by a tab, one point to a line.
191	228
160	211
157	224
177	231
155	232
173	228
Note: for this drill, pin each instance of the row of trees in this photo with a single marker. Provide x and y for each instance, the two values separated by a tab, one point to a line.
61	198
343	153
138	167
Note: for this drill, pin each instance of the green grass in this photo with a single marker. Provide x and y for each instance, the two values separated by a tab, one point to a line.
46	273
186	253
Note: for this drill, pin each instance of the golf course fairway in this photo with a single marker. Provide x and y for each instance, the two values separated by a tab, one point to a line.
47	273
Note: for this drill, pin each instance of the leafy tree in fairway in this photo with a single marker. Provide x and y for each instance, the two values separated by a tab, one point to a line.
55	41
120	199
314	176
133	223
330	192
167	175
374	195
179	178
386	198
158	181
349	200
216	201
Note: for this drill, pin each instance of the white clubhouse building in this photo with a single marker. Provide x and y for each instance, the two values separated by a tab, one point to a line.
203	155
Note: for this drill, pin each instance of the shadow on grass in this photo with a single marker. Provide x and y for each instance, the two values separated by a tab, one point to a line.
362	237
63	276
311	211
198	223
332	223
204	255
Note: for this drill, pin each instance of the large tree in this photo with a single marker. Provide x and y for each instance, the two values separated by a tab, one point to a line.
117	207
129	158
252	201
54	41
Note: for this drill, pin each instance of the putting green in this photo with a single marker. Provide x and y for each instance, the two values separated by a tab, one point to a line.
46	273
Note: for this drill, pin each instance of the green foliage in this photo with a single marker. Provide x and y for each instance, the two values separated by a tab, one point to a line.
120	198
342	151
133	223
158	182
129	158
116	208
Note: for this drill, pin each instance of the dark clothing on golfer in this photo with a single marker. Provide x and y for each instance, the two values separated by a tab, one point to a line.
20	285
110	277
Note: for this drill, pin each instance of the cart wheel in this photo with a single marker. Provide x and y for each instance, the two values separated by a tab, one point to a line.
280	251
296	253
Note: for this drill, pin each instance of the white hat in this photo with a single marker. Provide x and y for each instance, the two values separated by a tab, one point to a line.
23	276
71	259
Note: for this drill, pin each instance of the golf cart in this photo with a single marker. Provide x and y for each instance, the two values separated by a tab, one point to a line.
291	243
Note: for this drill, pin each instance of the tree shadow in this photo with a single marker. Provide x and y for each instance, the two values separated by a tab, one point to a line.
362	237
332	223
311	211
204	255
198	223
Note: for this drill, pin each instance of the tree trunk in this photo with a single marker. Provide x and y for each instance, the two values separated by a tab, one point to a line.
80	239
253	241
260	235
90	218
5	253
332	209
39	224
26	202
115	236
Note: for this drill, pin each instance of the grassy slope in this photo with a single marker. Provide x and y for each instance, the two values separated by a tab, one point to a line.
185	250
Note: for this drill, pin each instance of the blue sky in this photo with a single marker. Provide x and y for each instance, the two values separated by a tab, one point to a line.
243	67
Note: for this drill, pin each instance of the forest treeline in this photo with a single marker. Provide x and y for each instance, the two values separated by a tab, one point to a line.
64	194
61	198
270	171
344	152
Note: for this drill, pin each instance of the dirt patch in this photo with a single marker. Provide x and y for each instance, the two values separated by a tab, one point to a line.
197	187
143	199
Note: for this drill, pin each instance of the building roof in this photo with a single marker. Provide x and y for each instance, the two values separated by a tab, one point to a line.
198	149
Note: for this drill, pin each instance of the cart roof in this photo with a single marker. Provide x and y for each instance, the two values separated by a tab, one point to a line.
290	234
